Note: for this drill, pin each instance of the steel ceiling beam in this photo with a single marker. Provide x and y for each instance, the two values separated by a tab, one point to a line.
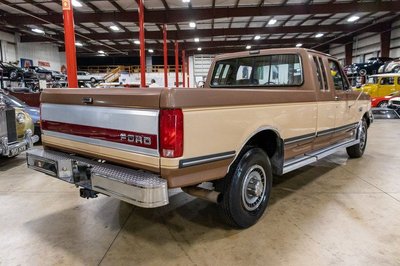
192	46
204	33
172	16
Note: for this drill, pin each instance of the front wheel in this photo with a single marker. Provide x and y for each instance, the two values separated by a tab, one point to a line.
357	150
246	189
93	80
383	104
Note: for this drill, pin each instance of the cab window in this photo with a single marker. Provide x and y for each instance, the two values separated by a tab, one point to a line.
339	80
372	80
258	71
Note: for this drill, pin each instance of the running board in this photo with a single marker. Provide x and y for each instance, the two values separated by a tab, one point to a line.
312	157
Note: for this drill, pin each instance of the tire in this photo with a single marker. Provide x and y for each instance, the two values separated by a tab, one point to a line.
357	150
49	77
383	104
246	189
362	72
13	75
93	80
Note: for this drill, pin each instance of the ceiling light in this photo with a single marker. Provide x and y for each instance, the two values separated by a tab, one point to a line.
136	42
196	39
353	18
248	47
199	49
319	35
151	51
192	24
114	28
299	45
101	52
185	1
76	3
38	31
272	21
78	44
257	37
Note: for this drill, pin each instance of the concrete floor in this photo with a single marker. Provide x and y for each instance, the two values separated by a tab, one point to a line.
335	212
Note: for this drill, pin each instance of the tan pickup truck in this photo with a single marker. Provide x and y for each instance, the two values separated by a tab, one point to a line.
260	113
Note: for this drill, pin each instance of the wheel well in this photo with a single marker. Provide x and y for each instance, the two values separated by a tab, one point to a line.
367	119
272	144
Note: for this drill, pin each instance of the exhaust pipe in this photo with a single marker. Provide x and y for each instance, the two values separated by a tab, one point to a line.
202	193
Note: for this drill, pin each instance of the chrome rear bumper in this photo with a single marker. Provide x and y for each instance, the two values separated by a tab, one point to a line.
137	187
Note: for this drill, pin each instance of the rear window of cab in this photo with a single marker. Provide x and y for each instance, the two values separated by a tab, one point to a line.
259	71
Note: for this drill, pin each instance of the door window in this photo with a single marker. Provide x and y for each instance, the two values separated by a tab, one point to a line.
387	81
339	81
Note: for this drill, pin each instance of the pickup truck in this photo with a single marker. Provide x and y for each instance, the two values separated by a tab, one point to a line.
260	113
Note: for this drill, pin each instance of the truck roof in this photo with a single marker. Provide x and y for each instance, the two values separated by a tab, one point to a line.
386	75
268	51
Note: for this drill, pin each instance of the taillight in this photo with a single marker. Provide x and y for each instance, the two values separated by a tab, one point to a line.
171	133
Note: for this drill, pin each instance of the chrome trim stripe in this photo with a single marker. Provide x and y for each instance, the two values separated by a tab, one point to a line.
206	159
98	142
320	133
137	120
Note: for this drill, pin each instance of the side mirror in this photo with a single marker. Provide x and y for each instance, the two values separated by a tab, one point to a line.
200	84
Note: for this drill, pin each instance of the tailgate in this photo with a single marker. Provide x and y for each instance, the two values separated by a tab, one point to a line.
116	125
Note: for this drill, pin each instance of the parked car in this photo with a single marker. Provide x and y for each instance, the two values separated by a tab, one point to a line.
368	68
10	71
381	85
390	67
47	74
86	76
383	101
385	113
34	112
394	103
16	130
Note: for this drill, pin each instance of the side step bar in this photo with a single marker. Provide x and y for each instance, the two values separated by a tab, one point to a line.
308	158
137	187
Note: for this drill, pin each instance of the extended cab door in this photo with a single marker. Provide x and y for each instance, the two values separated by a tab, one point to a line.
346	112
326	104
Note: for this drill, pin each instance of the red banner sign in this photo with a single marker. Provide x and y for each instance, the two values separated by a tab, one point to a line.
44	63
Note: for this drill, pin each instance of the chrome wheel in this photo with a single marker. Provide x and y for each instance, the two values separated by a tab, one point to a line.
253	189
363	136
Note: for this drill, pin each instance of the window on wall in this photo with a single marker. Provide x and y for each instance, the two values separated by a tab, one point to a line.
339	81
258	71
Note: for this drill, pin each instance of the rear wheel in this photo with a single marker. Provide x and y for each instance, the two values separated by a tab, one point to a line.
246	189
357	151
93	80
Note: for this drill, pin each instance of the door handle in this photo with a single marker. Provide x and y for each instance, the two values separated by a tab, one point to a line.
337	98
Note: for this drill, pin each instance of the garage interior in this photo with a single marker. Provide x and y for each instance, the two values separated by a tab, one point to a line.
337	211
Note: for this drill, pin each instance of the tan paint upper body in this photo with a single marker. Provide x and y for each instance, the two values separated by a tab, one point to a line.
218	120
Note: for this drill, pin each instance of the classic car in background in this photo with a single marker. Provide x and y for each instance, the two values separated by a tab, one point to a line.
383	101
385	113
367	68
16	130
10	71
86	76
47	74
390	67
394	103
381	85
34	112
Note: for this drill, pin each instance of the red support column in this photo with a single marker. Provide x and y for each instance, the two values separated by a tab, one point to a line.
385	43
70	49
142	45
183	69
188	75
348	53
176	64
165	56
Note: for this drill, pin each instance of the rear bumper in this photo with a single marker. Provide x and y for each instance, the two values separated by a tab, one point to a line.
13	149
137	187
